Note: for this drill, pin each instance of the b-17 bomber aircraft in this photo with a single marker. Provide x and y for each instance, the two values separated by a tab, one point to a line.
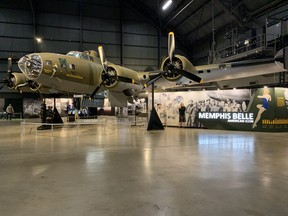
90	73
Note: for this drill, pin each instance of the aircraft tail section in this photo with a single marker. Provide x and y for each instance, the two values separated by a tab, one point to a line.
285	55
281	58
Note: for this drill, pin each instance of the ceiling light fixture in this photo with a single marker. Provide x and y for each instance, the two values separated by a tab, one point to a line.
167	4
38	39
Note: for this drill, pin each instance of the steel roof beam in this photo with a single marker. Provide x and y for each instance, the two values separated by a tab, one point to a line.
203	24
193	13
180	10
231	15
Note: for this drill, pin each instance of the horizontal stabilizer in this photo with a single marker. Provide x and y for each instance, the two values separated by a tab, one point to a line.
117	99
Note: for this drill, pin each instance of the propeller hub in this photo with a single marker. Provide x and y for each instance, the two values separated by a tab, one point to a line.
109	77
170	68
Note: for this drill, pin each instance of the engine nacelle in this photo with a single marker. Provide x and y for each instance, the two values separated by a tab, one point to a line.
109	77
16	80
178	62
115	74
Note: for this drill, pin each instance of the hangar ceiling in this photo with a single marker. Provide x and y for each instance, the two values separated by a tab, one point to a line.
133	32
194	21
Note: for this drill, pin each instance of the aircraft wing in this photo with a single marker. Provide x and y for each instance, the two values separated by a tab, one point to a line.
236	70
179	71
212	67
225	71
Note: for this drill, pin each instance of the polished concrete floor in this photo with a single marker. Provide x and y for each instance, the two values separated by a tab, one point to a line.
116	170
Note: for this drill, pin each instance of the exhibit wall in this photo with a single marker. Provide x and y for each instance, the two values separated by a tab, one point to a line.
264	109
31	107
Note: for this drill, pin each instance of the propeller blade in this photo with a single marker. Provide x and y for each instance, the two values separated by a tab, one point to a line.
154	79
190	75
9	66
3	86
95	90
171	45
5	82
103	59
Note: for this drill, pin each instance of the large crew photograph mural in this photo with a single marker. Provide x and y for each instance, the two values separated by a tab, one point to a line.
264	109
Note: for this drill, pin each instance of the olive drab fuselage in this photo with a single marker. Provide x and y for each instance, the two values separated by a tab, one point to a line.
75	72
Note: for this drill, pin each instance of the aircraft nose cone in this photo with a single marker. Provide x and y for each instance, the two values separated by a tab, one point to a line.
31	65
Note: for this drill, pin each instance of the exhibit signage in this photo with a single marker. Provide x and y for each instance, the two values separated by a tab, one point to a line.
230	117
263	109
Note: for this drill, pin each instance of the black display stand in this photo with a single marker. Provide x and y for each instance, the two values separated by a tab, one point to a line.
56	118
285	56
154	120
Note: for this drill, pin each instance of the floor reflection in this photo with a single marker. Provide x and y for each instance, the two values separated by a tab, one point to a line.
244	142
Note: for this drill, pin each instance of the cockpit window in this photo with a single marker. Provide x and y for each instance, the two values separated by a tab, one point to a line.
83	55
76	54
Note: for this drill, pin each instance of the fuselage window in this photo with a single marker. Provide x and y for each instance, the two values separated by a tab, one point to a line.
48	62
91	58
72	66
